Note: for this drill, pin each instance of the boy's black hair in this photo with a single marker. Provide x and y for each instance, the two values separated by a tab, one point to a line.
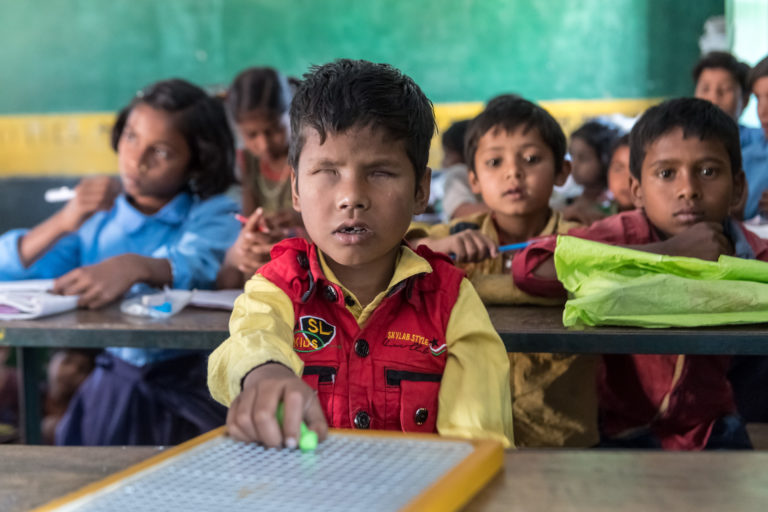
759	71
259	89
202	122
453	137
600	136
345	93
509	112
726	61
696	117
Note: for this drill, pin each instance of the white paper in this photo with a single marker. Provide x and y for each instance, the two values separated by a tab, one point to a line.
28	285
26	305
215	299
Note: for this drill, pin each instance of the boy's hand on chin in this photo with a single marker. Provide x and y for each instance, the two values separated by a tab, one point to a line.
704	240
251	416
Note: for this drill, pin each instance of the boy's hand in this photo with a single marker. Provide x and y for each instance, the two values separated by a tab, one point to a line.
704	240
465	246
251	416
91	195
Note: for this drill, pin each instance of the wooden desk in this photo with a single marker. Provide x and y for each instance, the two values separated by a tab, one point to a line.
192	328
556	480
523	329
540	329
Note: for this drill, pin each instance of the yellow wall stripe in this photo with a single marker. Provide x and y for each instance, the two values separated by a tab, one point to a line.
56	145
78	143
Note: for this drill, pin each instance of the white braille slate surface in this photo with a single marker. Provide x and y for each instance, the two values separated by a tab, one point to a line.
344	473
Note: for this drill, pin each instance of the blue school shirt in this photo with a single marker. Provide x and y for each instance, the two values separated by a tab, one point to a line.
754	155
192	234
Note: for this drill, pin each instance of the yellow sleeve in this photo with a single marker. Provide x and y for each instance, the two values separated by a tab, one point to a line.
423	230
260	330
474	399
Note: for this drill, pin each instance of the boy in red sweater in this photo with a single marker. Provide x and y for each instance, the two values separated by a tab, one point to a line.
686	170
357	330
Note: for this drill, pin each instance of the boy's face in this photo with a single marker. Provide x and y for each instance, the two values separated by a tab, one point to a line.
515	171
760	88
684	181
718	86
357	194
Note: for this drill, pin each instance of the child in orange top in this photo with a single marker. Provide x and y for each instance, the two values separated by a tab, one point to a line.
258	102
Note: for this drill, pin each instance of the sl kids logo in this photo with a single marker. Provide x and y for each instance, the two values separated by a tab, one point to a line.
313	334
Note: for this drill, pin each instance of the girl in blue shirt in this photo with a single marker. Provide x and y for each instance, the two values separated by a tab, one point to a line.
170	225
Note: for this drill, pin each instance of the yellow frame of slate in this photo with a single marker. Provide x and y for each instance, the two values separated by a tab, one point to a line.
450	492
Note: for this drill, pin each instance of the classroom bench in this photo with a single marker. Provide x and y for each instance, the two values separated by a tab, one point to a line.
552	480
523	329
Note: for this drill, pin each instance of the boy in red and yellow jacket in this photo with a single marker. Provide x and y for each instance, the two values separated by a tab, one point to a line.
356	329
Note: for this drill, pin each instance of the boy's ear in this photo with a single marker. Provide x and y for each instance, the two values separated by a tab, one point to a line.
422	192
562	176
474	183
295	191
739	188
636	192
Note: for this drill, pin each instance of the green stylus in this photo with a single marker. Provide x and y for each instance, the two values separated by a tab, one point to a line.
307	438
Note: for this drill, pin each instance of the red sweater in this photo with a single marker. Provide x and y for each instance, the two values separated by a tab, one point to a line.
678	397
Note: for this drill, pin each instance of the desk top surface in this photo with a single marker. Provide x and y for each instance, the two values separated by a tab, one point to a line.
572	480
523	329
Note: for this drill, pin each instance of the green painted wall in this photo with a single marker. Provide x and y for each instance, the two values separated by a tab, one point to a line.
92	55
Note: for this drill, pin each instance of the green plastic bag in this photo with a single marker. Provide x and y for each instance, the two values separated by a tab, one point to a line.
610	285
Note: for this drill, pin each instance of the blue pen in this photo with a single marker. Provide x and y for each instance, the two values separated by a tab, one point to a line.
503	248
514	247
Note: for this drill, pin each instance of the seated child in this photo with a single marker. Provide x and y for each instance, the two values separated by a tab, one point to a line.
749	375
67	370
722	79
590	155
170	226
754	146
619	176
9	399
258	102
356	329
516	154
458	198
686	174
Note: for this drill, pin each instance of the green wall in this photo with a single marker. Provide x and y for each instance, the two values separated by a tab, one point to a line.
92	55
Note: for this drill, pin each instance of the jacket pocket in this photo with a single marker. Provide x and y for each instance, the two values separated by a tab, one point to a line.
416	397
322	379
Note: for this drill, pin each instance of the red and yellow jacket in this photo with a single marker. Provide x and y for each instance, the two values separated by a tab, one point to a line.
422	357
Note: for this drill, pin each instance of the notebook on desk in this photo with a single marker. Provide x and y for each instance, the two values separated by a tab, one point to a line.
29	299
